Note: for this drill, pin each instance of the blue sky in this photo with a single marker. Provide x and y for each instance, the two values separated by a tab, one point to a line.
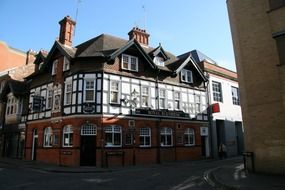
179	25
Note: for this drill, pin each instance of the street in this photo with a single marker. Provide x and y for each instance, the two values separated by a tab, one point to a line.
172	176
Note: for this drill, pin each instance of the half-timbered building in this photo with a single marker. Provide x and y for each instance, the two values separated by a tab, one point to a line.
111	101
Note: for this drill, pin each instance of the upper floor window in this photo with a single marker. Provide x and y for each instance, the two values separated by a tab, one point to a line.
38	103
114	92
177	100
89	90
162	98
145	96
68	93
129	62
67	136
217	91
66	64
166	137
189	137
49	98
113	136
12	105
186	76
48	137
145	137
158	61
197	103
54	67
235	96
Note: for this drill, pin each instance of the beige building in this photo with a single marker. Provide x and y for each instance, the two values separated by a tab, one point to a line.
258	31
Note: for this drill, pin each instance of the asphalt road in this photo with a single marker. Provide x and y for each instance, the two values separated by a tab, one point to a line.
169	176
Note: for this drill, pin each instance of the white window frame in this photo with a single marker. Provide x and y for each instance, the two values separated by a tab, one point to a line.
198	103
88	129
145	95
68	93
54	67
128	60
118	91
49	101
68	140
158	61
217	91
145	132
235	96
86	81
187	74
188	135
66	64
48	137
177	100
12	105
113	129
162	97
167	133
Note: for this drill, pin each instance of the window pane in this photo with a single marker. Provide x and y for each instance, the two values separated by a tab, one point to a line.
117	139
89	95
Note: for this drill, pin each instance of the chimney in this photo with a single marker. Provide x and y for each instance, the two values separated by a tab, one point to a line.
140	35
67	26
30	56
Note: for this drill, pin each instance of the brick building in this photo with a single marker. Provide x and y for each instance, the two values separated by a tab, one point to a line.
258	30
15	65
111	101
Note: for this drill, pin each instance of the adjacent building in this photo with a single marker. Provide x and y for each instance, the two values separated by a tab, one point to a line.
225	113
258	31
111	101
15	65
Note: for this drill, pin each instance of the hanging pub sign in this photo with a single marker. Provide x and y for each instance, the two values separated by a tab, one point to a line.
38	103
161	113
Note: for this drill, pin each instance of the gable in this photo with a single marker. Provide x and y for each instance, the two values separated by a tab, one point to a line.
187	60
133	47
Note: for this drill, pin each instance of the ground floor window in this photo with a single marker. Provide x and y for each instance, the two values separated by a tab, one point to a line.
145	135
113	136
67	136
48	137
189	137
166	136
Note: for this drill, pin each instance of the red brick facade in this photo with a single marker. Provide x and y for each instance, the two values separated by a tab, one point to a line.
70	156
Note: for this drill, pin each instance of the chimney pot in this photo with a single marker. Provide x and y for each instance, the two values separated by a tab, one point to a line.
140	35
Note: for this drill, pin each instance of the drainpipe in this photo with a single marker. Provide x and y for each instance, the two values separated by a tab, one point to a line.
210	117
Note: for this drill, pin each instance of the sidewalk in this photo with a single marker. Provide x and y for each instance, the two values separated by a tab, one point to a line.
234	177
53	168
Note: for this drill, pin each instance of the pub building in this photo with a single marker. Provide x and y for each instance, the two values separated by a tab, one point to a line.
112	102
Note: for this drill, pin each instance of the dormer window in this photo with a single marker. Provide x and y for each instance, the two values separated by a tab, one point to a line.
186	76
129	62
54	67
158	61
66	64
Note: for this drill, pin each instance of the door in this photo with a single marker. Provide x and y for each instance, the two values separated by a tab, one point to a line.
88	151
35	144
88	145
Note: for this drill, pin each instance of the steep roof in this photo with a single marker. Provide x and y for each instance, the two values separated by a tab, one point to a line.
199	57
102	45
18	88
